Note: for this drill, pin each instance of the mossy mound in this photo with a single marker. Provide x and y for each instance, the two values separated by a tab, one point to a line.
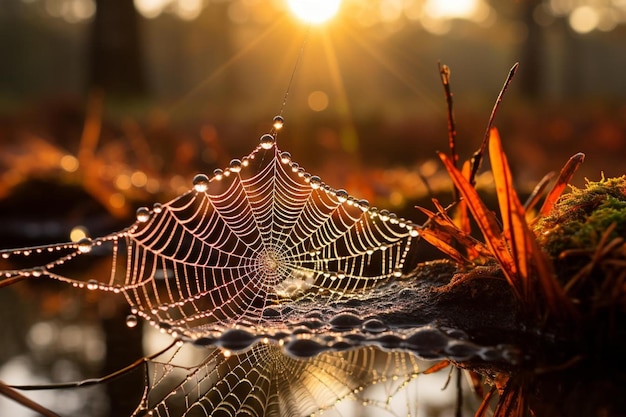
580	218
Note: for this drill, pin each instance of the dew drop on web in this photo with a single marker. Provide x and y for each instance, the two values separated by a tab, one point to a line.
267	141
131	320
92	284
235	165
342	196
315	182
143	214
200	183
157	208
285	157
278	122
85	245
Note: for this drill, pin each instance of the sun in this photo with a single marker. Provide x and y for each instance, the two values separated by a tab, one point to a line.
314	11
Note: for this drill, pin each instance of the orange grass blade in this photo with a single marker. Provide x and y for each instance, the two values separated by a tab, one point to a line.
437	367
447	231
565	176
484	405
525	250
464	220
435	239
535	195
513	215
556	299
486	222
512	401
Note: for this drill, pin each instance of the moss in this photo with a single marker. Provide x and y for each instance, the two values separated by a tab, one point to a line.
581	217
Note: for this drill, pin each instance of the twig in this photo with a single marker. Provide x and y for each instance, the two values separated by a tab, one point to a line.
95	381
9	392
478	155
444	72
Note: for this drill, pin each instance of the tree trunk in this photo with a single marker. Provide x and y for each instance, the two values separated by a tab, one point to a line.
116	64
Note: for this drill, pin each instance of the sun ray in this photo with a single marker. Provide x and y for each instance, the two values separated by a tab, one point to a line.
348	136
388	65
226	65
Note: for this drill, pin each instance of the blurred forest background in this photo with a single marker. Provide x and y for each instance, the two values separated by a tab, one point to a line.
108	105
180	86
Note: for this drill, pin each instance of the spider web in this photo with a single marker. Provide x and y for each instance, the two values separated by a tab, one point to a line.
287	287
261	233
263	381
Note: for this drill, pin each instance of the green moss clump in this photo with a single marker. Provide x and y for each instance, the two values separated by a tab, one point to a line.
581	217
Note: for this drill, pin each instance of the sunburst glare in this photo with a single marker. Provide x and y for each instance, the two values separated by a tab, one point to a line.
314	11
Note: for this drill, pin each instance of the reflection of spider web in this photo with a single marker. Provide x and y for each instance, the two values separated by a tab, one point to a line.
260	233
263	381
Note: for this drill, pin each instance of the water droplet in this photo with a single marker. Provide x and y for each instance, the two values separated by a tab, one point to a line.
245	161
235	165
294	167
345	321
218	174
37	272
5	255
85	245
236	339
92	284
342	196
374	326
200	183
269	312
490	354
397	272
389	341
393	218
364	205
383	215
315	182
131	321
461	351
285	157
429	338
204	341
413	232
157	208
304	348
267	141
278	122
369	251
143	214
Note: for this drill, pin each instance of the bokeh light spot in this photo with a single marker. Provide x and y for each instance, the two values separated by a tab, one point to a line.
584	19
78	233
68	163
318	101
